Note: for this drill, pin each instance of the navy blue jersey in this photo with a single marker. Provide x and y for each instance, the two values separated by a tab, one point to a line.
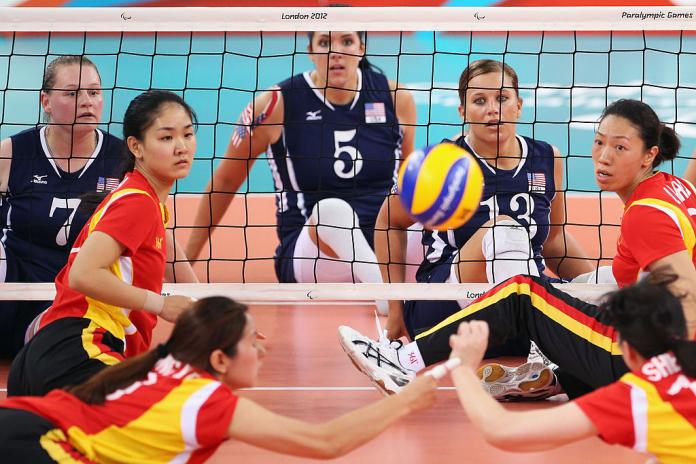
524	193
333	151
39	212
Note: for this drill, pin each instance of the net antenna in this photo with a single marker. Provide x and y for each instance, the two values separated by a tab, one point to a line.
221	58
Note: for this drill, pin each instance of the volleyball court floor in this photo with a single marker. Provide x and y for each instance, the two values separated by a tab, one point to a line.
306	375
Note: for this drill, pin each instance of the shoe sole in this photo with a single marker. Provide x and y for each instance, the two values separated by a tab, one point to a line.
510	383
378	383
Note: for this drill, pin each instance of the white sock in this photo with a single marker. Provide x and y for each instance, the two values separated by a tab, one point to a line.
508	251
410	357
339	227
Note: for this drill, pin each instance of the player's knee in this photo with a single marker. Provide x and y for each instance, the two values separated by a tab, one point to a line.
334	212
507	238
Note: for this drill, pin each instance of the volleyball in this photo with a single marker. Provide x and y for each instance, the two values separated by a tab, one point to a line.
440	186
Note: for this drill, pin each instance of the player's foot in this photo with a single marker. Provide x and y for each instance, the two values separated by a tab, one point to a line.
379	361
537	356
530	381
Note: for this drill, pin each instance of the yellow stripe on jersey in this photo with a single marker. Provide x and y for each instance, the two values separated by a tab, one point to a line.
659	429
92	349
551	311
682	220
49	442
165	431
110	317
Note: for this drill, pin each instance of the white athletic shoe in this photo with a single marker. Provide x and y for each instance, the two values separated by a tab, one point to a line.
530	381
537	356
379	361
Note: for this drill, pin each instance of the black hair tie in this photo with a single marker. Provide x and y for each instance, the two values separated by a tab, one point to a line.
162	350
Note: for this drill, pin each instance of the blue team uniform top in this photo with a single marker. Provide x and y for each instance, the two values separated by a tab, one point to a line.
39	212
325	150
524	193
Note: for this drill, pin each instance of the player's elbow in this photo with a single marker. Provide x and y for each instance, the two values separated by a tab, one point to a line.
323	444
511	439
78	278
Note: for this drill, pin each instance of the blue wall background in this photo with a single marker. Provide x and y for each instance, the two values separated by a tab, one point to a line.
566	80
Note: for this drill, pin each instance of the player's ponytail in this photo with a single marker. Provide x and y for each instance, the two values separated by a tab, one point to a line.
685	352
650	318
212	323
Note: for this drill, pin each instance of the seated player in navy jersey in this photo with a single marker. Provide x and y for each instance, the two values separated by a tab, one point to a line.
43	173
334	136
520	219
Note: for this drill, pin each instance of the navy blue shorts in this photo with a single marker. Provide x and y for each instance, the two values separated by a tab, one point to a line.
15	316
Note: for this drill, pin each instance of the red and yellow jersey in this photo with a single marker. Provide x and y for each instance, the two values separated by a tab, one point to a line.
133	216
652	411
659	220
176	413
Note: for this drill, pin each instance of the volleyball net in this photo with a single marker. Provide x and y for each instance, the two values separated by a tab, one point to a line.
220	59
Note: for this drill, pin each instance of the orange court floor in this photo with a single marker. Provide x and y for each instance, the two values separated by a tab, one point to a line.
306	375
242	246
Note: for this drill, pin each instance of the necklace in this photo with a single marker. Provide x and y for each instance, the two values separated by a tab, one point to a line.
69	158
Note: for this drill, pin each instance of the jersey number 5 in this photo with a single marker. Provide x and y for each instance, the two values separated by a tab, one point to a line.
64	203
342	168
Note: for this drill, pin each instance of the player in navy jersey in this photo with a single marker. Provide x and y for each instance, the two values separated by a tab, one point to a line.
43	173
334	136
520	218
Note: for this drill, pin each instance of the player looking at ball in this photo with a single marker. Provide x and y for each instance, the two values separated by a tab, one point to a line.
520	220
334	136
657	230
177	403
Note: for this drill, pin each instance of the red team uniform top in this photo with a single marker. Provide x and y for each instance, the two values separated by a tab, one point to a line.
177	413
652	411
133	216
658	221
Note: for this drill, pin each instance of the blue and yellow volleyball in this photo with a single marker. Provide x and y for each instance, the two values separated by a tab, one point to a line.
440	186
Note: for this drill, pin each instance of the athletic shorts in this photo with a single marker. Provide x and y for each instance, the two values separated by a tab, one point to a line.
421	315
15	316
64	353
29	438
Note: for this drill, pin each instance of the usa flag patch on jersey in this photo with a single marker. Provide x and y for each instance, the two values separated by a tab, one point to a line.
375	113
107	184
537	181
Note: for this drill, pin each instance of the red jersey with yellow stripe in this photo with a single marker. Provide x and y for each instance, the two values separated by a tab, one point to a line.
652	411
176	413
658	221
133	216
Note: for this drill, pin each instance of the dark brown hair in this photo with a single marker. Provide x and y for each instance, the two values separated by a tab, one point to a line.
480	67
140	115
653	132
650	317
212	323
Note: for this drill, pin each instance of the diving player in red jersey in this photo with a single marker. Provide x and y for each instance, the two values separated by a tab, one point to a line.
651	409
177	403
108	295
334	137
657	230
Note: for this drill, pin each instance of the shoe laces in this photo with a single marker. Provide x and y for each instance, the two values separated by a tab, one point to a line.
374	350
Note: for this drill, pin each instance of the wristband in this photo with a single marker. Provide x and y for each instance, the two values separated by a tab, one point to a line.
154	303
440	371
